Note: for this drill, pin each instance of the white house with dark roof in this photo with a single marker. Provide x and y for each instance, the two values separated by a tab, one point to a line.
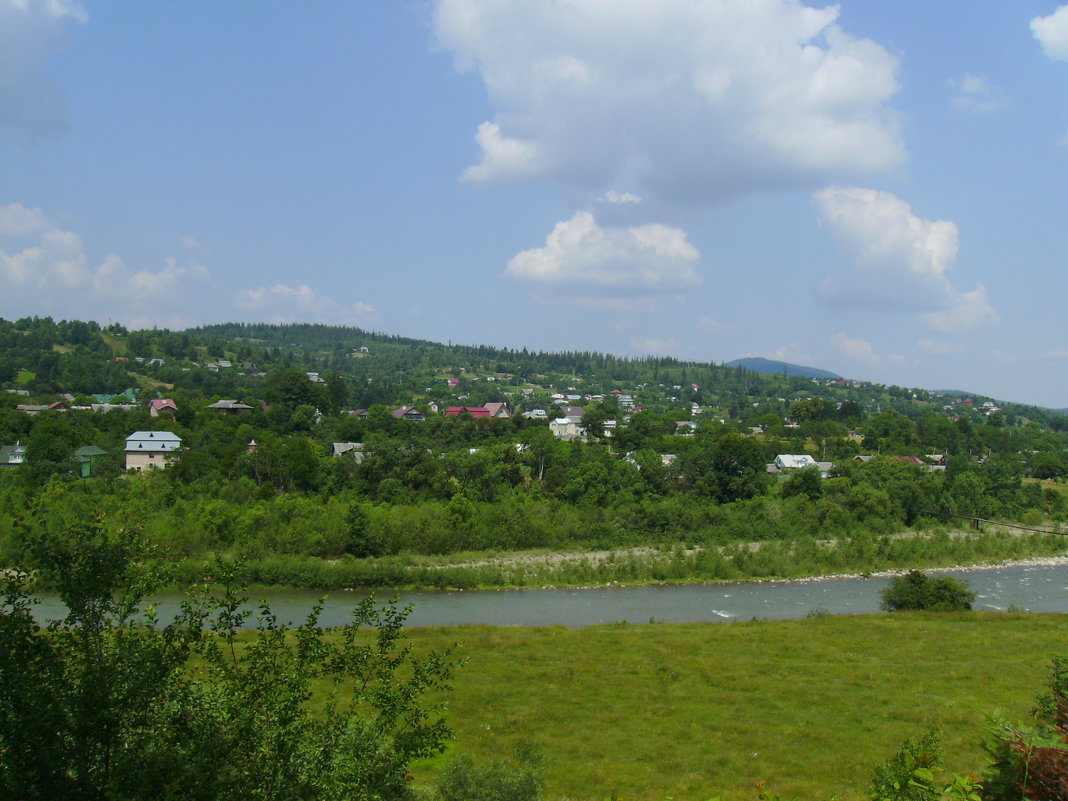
146	450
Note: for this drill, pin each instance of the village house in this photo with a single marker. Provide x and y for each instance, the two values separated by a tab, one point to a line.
12	455
569	426
498	410
474	412
354	448
111	407
786	462
794	461
230	407
146	450
408	413
161	406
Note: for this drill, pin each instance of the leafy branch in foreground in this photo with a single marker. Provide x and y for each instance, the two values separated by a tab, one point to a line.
107	704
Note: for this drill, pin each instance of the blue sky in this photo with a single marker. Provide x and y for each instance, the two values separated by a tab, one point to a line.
873	188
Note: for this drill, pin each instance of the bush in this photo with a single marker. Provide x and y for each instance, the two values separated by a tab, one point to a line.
918	591
465	780
909	774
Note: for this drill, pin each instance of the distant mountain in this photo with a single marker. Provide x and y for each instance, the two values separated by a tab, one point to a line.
760	365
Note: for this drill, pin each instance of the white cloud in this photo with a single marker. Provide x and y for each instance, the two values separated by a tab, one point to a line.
965	311
282	303
688	100
44	270
976	94
1052	33
31	30
901	260
620	198
860	350
586	264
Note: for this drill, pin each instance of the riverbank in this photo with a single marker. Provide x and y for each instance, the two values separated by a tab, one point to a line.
801	559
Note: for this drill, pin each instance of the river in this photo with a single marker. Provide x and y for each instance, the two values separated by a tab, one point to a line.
1039	588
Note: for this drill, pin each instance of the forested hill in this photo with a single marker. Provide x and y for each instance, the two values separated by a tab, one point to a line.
336	344
45	358
762	365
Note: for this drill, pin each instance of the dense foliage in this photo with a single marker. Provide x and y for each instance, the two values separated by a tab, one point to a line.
918	592
108	704
264	485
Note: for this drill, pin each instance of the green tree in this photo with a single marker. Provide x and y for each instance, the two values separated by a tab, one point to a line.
805	482
104	704
917	591
50	450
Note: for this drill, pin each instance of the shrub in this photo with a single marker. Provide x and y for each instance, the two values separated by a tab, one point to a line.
909	774
918	591
465	780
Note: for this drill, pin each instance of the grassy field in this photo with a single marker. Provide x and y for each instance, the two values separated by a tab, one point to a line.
693	711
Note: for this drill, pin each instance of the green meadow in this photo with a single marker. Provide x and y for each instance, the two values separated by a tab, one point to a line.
695	711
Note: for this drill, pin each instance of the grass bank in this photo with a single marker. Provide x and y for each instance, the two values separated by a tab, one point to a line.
692	711
786	559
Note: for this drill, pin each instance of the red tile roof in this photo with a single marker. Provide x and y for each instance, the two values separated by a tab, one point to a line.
473	411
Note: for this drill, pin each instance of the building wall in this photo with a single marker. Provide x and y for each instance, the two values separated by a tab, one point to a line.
146	460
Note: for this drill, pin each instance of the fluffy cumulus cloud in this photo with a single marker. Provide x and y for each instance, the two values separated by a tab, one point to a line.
44	270
858	349
688	100
976	94
862	351
1052	33
623	268
901	261
30	31
282	303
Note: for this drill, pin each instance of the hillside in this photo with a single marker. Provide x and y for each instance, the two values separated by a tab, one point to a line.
349	459
761	365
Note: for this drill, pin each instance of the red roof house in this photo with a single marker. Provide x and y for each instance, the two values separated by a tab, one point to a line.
472	411
158	406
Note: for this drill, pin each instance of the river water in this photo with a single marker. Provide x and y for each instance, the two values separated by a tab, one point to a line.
1039	588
